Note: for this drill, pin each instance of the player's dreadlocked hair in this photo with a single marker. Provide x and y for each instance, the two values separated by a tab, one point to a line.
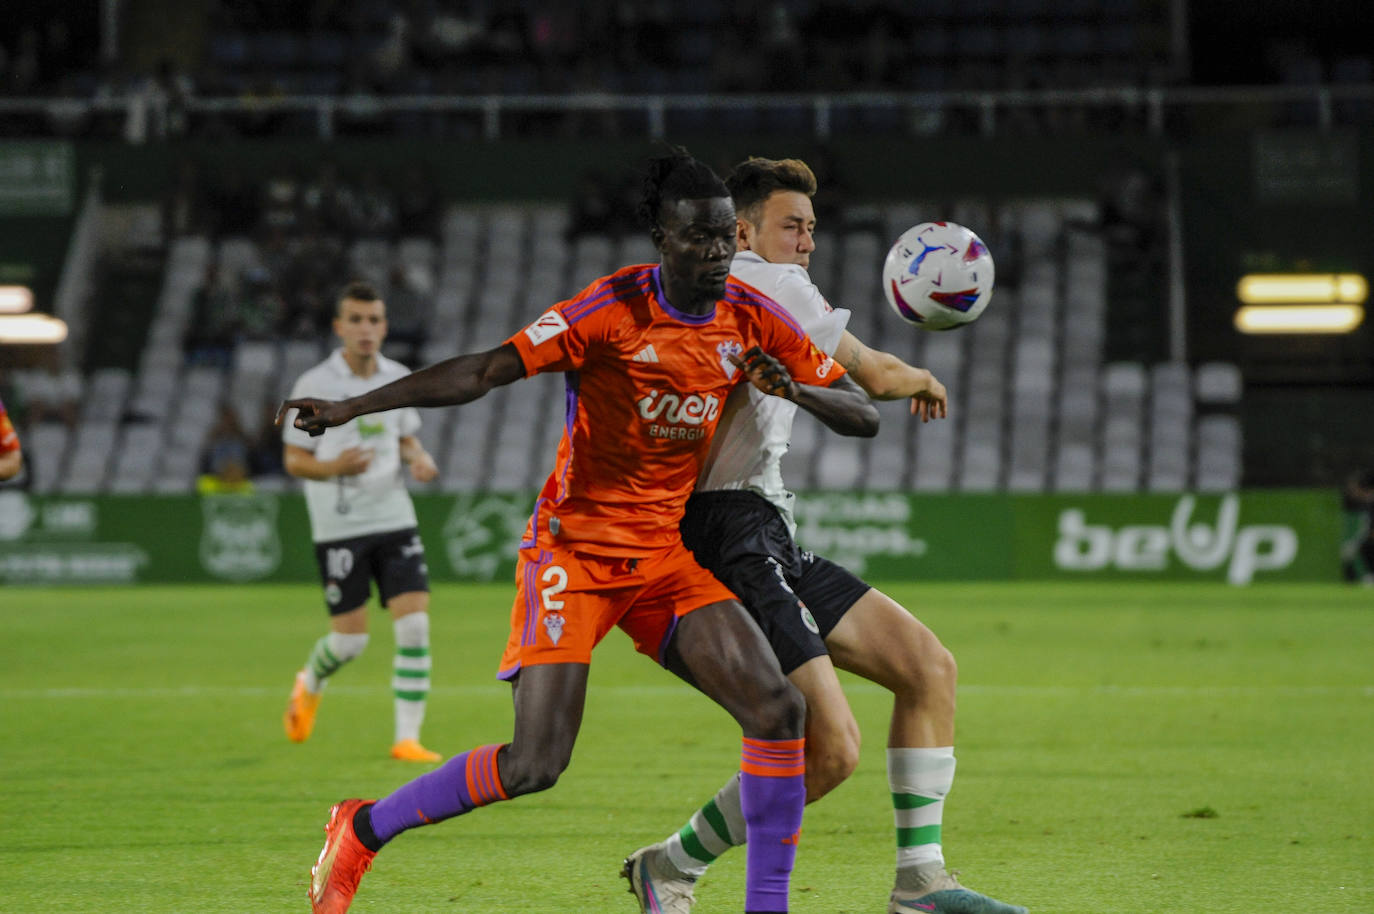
754	180
676	176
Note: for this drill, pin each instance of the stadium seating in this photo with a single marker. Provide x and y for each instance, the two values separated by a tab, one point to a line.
1033	408
408	49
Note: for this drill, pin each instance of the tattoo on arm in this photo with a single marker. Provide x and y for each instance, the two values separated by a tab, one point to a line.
850	358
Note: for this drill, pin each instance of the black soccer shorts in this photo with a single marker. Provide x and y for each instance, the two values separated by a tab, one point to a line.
395	560
796	597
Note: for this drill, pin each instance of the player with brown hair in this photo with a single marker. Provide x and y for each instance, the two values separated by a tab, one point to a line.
816	614
363	524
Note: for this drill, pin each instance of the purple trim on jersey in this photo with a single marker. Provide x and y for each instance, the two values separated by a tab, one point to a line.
529	575
737	296
609	293
674	313
572	385
534	525
589	306
528	635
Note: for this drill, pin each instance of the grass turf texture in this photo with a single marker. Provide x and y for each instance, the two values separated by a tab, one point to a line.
1121	748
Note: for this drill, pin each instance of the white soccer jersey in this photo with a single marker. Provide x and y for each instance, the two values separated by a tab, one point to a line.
755	427
375	501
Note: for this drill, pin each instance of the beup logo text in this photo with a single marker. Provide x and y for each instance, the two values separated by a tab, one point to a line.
1202	547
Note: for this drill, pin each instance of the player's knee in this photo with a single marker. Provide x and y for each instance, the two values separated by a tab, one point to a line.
781	714
530	772
932	675
944	670
345	646
828	764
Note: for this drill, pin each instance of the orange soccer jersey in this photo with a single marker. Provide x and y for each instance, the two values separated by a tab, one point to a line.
9	439
645	387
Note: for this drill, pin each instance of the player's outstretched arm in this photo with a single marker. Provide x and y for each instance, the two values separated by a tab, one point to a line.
885	377
460	379
843	406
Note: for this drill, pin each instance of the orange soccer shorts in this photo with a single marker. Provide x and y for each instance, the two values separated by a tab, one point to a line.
567	601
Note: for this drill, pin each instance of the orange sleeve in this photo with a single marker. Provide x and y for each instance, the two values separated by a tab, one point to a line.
802	357
557	340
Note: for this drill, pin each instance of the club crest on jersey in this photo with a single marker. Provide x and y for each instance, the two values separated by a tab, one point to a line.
725	350
547	326
553	624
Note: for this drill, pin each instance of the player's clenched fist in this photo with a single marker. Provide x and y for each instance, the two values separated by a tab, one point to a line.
766	373
314	416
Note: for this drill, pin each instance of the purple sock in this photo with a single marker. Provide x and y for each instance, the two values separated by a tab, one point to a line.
465	782
772	793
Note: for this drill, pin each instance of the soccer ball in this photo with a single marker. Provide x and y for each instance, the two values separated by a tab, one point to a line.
938	276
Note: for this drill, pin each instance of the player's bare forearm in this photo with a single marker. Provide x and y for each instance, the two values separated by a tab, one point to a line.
452	382
303	464
895	379
413	455
10	464
882	375
843	407
411	448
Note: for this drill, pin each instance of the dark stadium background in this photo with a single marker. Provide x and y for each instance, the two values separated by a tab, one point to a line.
187	184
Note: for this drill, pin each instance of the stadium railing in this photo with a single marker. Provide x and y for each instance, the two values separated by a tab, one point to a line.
1156	110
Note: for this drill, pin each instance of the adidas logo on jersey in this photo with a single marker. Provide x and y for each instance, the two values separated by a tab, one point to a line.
646	354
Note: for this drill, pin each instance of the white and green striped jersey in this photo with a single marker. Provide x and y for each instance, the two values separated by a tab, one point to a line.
375	501
755	427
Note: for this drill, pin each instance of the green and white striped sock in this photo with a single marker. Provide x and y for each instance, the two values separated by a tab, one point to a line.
410	679
329	653
712	830
919	779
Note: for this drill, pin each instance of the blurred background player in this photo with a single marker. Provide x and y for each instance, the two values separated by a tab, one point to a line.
363	523
11	454
816	614
650	353
1357	528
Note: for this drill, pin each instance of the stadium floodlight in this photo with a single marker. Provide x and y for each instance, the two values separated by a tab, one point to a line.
30	329
1302	288
1327	318
16	299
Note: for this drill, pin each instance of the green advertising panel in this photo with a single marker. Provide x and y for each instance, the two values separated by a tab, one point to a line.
37	177
76	539
892	535
1239	537
1244	538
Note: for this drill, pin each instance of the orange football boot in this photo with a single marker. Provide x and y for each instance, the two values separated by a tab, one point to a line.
299	718
343	861
410	750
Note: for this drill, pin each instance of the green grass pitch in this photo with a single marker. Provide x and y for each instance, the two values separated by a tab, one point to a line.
1131	749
